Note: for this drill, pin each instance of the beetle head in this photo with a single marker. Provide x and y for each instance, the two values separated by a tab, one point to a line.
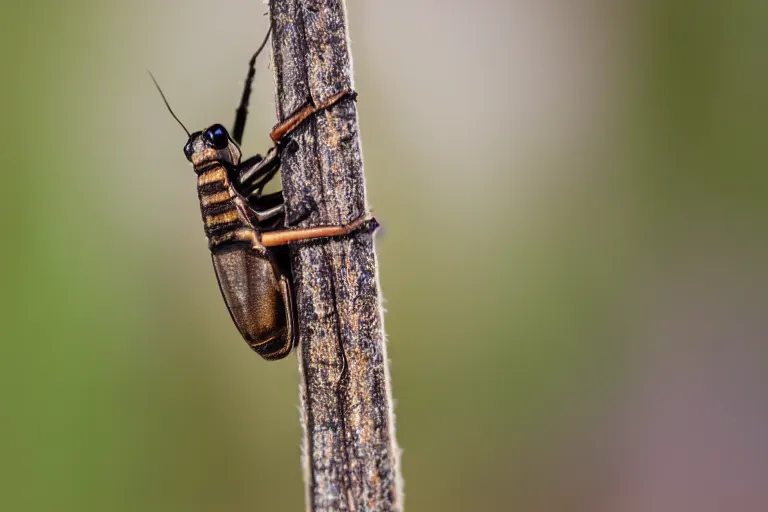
212	144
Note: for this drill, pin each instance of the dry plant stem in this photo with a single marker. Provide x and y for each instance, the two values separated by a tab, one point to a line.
350	453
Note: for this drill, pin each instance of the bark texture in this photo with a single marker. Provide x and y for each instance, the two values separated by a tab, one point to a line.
350	453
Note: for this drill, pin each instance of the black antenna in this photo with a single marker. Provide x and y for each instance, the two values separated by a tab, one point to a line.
242	110
166	103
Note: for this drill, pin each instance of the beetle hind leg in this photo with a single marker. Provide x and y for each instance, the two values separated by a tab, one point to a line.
287	236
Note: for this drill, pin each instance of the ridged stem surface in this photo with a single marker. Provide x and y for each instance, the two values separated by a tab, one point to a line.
350	452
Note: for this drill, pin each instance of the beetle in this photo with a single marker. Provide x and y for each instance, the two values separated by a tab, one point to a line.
243	226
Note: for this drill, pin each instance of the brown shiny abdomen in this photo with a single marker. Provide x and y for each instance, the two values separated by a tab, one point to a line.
251	288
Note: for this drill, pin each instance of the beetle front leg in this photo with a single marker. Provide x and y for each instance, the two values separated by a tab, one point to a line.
303	113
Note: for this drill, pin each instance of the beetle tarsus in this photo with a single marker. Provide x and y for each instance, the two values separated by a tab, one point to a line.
373	225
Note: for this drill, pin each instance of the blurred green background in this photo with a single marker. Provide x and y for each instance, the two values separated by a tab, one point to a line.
573	256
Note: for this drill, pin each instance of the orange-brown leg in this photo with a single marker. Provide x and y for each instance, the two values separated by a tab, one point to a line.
290	124
286	236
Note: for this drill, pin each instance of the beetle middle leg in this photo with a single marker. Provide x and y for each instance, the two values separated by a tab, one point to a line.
254	173
270	213
269	210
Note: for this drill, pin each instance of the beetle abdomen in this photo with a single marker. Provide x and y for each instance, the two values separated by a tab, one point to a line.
250	287
248	279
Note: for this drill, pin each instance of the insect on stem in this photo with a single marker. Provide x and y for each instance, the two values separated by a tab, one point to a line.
244	229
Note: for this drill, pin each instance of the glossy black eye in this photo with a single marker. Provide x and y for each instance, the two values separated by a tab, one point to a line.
217	136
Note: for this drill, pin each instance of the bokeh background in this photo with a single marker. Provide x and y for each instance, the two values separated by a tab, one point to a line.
573	256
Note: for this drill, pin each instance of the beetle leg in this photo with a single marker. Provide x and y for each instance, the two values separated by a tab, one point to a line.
248	165
256	172
242	110
303	113
286	236
269	213
300	212
266	201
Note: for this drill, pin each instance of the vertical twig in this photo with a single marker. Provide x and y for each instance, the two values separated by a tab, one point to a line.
350	453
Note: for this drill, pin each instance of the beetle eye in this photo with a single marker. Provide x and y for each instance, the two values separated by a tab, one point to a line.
217	136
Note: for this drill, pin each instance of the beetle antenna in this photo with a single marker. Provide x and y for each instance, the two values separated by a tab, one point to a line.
166	103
